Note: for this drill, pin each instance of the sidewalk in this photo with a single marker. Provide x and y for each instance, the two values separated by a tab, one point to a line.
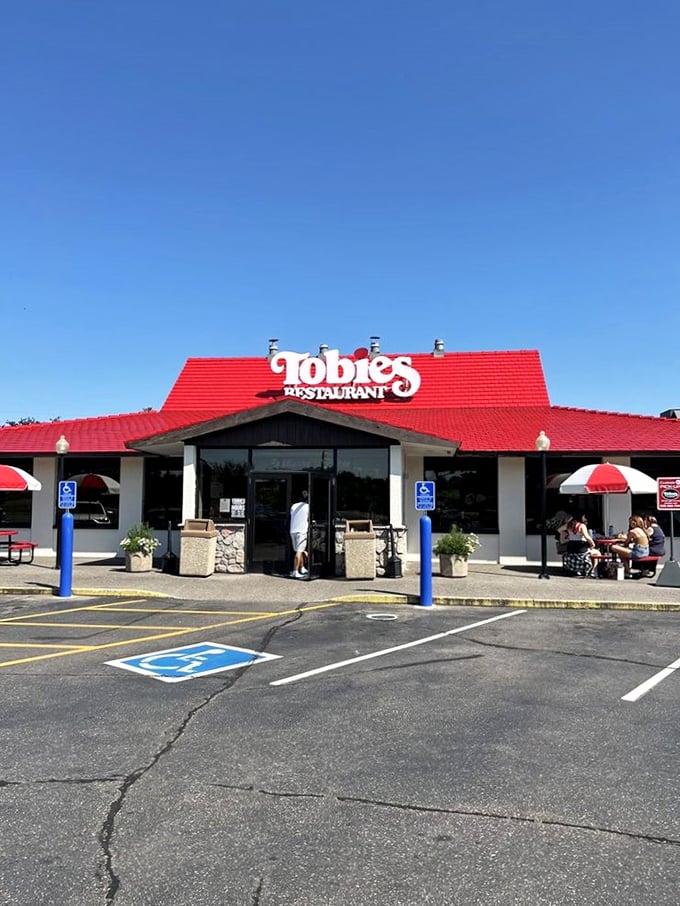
486	585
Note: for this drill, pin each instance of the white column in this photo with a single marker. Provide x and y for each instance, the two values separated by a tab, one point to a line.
396	485
511	510
189	483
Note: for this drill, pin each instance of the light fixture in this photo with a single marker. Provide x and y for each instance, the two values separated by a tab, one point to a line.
273	347
543	445
62	446
374	349
323	349
438	350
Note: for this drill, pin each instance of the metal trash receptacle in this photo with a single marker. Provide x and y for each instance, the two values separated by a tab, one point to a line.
359	549
197	548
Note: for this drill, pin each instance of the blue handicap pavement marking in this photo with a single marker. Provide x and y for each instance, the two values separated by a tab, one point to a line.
174	665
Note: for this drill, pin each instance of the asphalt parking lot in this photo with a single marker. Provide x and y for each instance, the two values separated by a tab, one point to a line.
383	754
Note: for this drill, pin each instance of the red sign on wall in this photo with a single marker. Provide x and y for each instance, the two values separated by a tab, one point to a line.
668	493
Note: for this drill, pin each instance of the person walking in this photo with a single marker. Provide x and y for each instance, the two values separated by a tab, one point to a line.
299	529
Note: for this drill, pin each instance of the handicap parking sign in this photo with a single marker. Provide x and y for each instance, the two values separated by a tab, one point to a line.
67	495
174	665
425	495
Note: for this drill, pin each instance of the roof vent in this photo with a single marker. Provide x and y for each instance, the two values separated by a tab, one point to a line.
670	413
438	348
273	347
323	349
375	347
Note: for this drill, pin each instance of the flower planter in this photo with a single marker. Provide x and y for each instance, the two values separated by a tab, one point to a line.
138	562
453	566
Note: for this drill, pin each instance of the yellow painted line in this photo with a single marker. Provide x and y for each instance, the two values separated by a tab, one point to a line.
255	613
40	657
53	613
96	626
165	635
42	645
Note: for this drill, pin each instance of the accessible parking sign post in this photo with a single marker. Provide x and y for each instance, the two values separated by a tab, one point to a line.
67	502
425	500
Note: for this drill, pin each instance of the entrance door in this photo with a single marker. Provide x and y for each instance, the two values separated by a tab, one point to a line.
269	543
270	498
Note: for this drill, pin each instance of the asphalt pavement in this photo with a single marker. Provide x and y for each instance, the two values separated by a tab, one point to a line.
486	585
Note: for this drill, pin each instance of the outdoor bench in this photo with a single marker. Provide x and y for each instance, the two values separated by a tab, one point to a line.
21	547
645	564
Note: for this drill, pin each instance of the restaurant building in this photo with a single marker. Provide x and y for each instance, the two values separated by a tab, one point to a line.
238	439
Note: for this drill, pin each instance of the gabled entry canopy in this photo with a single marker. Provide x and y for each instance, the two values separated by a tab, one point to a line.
284	424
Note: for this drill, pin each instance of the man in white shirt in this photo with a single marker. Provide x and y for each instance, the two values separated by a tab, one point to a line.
299	528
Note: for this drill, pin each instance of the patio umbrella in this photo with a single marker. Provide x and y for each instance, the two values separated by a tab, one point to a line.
607	478
91	481
14	479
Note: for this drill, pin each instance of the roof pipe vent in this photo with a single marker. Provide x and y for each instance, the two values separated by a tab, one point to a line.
375	347
438	350
273	347
323	349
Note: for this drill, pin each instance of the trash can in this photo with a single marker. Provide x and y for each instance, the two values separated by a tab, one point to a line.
359	549
198	546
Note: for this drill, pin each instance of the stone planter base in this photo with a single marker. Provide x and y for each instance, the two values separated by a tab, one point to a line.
138	563
452	566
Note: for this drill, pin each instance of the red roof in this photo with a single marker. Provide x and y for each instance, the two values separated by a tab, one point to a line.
455	379
106	434
486	401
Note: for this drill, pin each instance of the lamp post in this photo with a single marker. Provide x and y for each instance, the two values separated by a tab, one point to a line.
61	448
543	445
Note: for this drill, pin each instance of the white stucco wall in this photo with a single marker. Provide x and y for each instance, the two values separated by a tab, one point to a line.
396	485
511	510
189	484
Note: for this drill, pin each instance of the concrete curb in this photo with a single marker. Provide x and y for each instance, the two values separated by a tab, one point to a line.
524	603
85	592
372	598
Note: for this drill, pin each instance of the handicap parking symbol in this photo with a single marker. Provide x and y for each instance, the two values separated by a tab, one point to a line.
174	665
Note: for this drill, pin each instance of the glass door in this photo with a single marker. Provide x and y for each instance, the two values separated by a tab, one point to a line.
321	541
270	497
269	543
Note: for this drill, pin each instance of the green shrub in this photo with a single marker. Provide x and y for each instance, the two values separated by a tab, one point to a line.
457	543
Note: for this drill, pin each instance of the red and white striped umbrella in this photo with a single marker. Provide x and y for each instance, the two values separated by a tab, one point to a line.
91	481
608	478
14	479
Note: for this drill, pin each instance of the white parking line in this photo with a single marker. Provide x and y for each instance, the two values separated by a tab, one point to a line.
366	657
643	688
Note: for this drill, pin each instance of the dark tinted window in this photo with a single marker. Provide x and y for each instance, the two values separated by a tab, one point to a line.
15	506
222	475
466	492
163	492
363	485
97	490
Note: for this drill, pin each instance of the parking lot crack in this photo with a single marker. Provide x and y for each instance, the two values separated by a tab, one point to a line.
523	819
107	830
39	781
560	651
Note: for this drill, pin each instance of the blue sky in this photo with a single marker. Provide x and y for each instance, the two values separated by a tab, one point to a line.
191	179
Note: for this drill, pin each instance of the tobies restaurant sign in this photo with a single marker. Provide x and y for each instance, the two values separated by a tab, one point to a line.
336	377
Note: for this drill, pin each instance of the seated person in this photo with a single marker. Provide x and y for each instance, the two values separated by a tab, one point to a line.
577	561
562	535
633	545
657	541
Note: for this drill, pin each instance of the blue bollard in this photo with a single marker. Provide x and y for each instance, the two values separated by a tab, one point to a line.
66	558
425	561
